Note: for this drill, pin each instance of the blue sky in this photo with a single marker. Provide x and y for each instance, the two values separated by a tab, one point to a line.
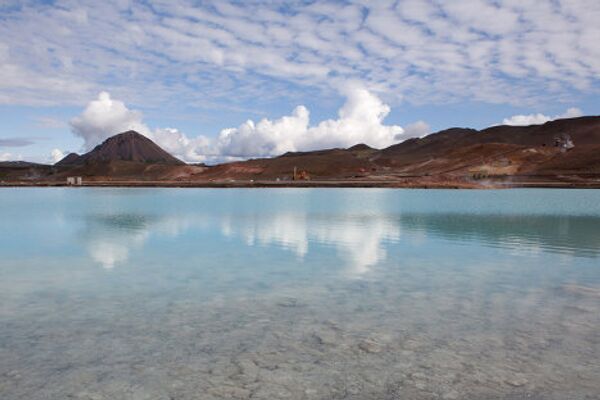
217	81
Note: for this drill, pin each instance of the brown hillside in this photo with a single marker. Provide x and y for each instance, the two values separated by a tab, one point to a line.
504	153
126	146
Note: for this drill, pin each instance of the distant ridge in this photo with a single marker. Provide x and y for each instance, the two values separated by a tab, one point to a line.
583	130
20	164
126	146
561	153
360	147
70	159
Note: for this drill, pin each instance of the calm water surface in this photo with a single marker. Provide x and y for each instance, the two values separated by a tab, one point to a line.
299	294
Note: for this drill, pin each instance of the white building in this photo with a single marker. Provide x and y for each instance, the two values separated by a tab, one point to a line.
74	180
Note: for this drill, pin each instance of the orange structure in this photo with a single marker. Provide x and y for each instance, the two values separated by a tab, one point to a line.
300	175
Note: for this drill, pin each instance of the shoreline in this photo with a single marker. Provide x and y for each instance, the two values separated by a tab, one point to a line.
392	184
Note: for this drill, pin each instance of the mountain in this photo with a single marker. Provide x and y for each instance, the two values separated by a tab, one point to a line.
582	130
20	164
126	146
561	153
69	159
505	150
23	171
452	154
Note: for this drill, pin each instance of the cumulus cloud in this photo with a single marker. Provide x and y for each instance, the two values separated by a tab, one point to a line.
523	120
56	155
6	156
416	129
103	118
198	149
537	119
572	112
360	120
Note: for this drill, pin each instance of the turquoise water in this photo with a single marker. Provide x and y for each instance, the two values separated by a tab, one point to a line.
299	294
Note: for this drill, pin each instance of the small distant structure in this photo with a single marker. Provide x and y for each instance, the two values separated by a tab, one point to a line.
300	175
74	180
563	142
480	174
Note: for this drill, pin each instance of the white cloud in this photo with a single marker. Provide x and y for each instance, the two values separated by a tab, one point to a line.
480	15
537	119
103	118
198	149
523	120
416	129
6	156
508	51
56	155
360	120
572	112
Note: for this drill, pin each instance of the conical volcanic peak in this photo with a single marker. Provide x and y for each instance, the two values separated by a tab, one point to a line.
126	146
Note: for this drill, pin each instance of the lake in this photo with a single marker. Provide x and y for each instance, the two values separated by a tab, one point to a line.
299	294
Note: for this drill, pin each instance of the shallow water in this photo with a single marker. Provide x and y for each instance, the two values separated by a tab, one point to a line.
299	294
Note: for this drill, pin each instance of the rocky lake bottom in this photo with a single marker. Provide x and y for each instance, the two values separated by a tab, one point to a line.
300	305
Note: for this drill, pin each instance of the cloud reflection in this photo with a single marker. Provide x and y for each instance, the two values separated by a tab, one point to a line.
110	238
109	253
288	230
361	241
358	240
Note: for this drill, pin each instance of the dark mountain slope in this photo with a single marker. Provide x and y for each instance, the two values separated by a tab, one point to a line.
525	148
126	146
69	159
519	153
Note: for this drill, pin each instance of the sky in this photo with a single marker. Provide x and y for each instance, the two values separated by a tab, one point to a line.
228	80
